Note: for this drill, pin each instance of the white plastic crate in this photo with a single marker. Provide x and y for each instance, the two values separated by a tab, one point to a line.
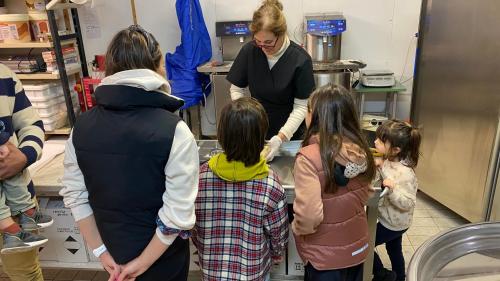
55	122
42	91
51	107
75	101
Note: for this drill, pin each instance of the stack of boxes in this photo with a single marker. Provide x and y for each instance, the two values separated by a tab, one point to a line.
70	55
48	100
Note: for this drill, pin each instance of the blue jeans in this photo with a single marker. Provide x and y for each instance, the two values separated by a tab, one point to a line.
393	241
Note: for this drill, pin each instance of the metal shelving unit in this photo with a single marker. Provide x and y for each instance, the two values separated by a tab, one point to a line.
56	40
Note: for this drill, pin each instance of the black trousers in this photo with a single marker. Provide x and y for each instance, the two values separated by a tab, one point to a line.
354	273
173	265
393	244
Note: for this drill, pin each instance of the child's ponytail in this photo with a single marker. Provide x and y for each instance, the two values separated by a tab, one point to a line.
404	136
414	146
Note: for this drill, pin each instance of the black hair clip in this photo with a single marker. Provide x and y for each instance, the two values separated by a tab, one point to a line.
150	41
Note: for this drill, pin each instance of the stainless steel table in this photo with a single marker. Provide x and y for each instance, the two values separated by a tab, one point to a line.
47	180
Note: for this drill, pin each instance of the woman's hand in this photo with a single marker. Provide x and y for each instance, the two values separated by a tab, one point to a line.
274	146
110	266
133	269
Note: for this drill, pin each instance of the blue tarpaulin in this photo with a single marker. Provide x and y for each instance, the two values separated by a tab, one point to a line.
194	50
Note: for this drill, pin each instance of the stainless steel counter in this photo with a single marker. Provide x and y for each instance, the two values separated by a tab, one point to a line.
47	180
340	65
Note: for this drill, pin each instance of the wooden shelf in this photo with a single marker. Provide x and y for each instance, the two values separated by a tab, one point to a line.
62	131
47	76
48	191
34	45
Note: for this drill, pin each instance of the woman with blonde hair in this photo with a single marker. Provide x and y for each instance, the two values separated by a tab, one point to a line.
277	71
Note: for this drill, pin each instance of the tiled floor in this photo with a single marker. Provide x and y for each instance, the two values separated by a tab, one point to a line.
429	219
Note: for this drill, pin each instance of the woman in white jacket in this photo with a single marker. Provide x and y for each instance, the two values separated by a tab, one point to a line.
131	167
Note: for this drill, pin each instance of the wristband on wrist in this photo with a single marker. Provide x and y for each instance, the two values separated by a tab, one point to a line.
99	251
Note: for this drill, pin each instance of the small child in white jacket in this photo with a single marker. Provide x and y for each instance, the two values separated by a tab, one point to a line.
399	143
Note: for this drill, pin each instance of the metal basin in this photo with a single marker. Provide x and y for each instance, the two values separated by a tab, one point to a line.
282	163
470	252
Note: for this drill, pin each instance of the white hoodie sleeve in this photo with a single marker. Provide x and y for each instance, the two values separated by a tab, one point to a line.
74	191
181	186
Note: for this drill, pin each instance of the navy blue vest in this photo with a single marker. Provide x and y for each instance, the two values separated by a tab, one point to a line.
122	146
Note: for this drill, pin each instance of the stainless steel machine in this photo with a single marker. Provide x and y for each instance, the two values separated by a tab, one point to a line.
323	38
232	36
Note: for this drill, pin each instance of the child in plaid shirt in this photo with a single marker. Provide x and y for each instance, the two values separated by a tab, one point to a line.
241	216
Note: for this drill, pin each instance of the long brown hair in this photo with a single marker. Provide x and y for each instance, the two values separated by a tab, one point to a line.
242	130
402	135
334	119
133	48
269	17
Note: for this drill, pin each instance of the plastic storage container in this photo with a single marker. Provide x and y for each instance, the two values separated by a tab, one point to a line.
14	28
50	107
42	91
55	121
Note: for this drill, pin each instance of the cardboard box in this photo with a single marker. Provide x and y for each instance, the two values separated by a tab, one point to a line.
90	255
294	262
65	241
47	252
279	269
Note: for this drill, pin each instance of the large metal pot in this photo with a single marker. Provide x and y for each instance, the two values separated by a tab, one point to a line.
469	252
338	78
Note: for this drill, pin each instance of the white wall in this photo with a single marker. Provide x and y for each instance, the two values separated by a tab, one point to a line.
379	32
111	16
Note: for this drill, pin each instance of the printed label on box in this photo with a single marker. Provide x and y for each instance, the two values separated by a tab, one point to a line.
295	264
65	240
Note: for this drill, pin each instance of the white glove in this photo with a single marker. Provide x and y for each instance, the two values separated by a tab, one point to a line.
274	145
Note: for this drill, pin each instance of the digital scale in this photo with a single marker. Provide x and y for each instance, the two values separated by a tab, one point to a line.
377	78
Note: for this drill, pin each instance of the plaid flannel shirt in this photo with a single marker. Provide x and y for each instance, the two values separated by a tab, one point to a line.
240	226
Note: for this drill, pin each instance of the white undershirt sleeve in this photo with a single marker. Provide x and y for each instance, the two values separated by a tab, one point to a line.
237	92
295	119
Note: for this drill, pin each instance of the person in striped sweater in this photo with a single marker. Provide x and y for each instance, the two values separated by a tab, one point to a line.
21	136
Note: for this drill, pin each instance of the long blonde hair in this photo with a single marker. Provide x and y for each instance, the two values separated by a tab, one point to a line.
269	17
